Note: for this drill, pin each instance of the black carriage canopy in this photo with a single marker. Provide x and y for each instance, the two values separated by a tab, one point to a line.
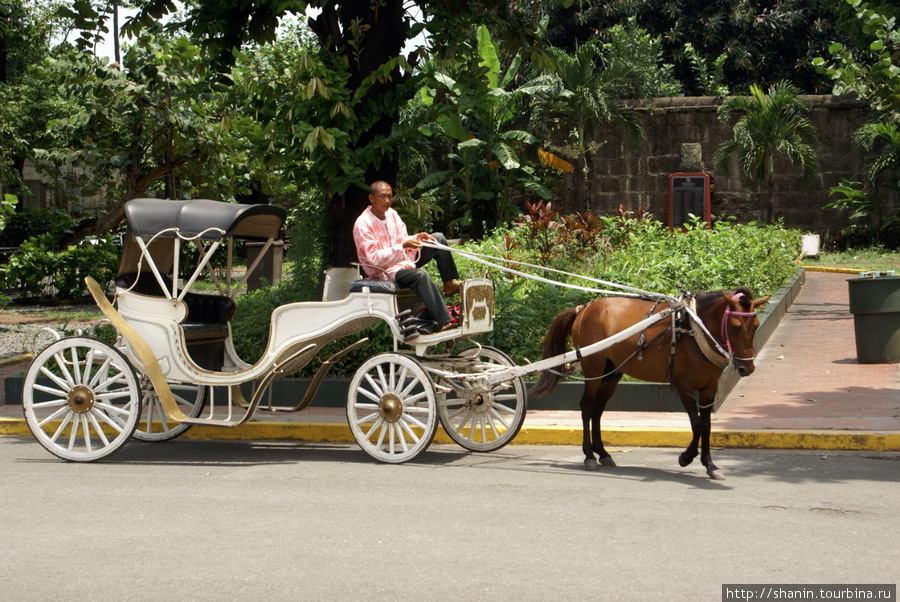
199	218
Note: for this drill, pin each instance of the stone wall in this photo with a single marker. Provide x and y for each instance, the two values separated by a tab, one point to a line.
682	135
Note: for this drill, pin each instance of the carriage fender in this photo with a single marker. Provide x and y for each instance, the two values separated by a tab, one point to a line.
141	348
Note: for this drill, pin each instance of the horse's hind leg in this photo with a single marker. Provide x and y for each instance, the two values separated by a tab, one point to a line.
593	402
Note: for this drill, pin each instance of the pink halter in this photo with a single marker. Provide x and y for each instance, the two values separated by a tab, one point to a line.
742	314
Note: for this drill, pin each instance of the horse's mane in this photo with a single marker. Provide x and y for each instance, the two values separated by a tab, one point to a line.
707	298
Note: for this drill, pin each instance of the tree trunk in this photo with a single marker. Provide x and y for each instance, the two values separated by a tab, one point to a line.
380	44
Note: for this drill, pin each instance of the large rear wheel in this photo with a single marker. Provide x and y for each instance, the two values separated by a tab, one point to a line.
155	425
81	399
391	408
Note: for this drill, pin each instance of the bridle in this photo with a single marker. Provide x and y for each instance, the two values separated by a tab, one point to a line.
727	338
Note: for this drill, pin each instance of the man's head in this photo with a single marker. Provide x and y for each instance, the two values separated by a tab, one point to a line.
380	196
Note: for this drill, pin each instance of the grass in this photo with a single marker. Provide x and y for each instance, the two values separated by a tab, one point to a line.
865	260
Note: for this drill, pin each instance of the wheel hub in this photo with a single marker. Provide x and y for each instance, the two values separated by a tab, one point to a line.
390	408
478	400
80	399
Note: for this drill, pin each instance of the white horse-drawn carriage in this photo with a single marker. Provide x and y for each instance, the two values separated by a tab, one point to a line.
173	364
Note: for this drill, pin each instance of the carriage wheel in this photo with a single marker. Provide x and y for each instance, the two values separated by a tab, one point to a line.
155	425
483	420
391	408
81	398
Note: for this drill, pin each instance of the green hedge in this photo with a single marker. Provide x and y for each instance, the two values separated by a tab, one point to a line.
625	249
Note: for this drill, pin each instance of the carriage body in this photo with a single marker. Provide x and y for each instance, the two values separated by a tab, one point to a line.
178	343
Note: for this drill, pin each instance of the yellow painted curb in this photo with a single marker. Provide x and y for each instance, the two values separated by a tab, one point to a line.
813	268
553	435
15	359
14	426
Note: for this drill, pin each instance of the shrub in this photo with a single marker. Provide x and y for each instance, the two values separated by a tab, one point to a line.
39	272
27	223
627	248
634	251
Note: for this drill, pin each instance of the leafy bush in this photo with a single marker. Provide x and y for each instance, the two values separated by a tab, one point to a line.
627	248
38	271
27	223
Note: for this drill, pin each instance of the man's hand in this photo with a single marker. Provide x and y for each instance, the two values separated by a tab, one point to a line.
415	242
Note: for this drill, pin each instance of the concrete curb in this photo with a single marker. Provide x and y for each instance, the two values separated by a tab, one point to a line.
333	432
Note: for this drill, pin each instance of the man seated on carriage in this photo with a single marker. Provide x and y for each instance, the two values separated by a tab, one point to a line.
387	252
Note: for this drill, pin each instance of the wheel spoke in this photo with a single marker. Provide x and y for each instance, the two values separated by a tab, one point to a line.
97	427
61	383
62	426
376	397
107	419
158	425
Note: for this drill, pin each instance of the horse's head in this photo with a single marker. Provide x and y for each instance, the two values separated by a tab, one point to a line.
739	324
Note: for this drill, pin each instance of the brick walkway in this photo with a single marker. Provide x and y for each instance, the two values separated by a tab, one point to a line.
807	375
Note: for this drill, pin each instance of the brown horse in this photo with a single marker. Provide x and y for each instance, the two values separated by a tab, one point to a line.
693	364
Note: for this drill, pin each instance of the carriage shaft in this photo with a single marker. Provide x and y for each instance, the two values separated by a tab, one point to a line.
495	378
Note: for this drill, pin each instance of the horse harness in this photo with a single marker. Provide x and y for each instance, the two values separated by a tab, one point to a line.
714	352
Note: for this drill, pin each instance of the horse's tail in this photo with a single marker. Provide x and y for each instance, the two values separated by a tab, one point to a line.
554	344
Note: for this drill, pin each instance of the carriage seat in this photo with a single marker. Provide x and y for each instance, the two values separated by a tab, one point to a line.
377	286
207	315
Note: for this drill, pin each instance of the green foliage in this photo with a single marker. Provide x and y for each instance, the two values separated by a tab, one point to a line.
631	250
853	197
492	159
579	95
710	73
28	222
872	73
761	42
629	44
775	122
310	244
7	209
41	272
161	114
880	140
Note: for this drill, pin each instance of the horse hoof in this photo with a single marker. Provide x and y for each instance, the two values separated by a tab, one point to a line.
684	460
607	461
590	464
716	474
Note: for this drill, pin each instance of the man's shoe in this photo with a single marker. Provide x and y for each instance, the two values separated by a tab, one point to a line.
451	287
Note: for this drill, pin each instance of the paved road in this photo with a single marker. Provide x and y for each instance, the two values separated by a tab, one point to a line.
243	520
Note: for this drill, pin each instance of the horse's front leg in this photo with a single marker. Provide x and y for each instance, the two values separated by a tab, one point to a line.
706	429
690	406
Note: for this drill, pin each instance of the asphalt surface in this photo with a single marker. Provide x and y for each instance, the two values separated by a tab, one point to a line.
284	520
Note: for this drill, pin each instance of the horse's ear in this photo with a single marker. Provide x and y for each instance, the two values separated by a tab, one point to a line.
760	301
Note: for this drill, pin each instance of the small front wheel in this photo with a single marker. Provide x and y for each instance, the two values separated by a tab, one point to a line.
81	399
391	408
482	420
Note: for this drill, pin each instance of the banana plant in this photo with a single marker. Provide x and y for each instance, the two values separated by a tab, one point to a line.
493	159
